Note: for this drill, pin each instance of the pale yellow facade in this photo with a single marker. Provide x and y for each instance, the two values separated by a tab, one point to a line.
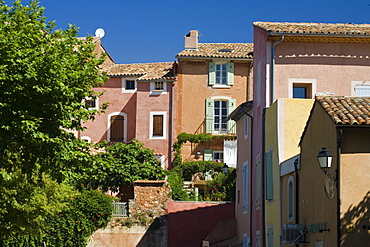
285	122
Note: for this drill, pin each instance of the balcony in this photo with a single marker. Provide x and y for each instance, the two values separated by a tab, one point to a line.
217	127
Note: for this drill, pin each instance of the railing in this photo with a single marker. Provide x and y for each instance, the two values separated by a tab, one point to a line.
120	209
221	128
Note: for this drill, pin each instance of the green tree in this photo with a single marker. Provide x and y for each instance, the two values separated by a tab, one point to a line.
45	75
120	165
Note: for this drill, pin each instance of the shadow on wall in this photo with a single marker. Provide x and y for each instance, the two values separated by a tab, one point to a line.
355	224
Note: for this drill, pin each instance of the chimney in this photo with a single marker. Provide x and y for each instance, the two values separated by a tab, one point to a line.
191	40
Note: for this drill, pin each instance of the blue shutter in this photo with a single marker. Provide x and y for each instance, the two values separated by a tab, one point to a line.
211	73
269	176
230	74
245	187
209	116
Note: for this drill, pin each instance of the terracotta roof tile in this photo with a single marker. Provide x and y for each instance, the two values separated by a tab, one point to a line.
347	110
220	50
315	28
144	71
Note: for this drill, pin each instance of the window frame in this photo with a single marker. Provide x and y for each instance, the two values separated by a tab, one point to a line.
219	152
290	199
153	90
95	99
124	85
358	83
245	193
164	125
228	72
210	118
246	128
124	125
309	84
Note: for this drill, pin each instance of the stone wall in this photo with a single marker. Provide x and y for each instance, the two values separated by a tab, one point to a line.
150	198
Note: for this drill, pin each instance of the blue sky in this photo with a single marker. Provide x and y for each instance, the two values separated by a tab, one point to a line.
153	31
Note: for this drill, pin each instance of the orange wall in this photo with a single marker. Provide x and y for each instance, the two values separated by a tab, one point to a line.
193	90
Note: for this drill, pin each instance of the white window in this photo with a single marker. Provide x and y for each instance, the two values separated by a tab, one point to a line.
218	155
129	85
291	199
361	88
217	111
161	159
221	74
158	87
92	103
301	88
245	187
246	128
157	125
117	127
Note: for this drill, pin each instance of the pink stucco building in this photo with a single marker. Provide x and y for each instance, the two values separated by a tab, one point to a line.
294	60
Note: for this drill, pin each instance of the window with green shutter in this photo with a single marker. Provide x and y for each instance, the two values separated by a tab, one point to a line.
217	111
221	74
207	155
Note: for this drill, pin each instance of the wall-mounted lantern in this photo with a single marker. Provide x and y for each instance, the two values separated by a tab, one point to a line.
225	168
324	158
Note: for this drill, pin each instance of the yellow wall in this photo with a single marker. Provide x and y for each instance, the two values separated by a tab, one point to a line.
285	121
314	206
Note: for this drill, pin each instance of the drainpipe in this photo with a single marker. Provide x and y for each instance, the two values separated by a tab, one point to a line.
272	69
296	193
339	150
171	126
250	180
263	178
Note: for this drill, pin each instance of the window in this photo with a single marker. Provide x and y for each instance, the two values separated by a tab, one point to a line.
160	159
217	111
218	156
221	74
116	128
117	123
129	85
301	88
245	240
290	199
157	125
302	91
245	186
269	176
361	88
158	87
219	115
92	104
246	128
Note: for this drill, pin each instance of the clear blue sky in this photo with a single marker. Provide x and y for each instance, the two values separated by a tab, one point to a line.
153	31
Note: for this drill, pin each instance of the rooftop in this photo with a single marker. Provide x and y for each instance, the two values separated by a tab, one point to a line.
144	71
347	29
347	110
220	50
